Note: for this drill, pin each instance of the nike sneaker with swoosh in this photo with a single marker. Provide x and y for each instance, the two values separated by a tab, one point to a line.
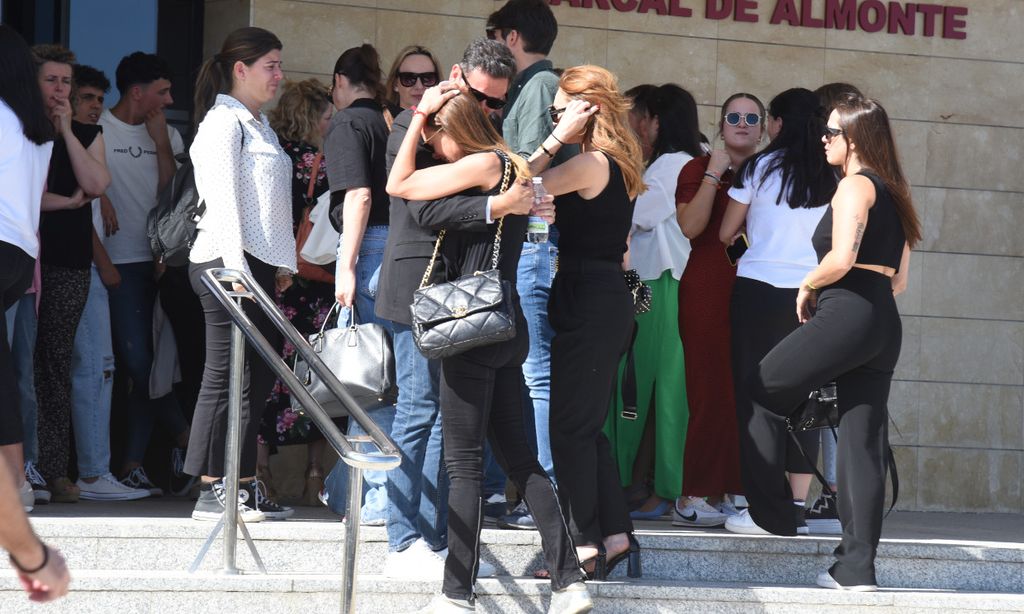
697	513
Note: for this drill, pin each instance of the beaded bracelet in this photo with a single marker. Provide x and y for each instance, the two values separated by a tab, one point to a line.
46	560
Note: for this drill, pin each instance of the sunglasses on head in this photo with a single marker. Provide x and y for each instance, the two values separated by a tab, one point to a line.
408	79
555	113
492	103
750	119
831	133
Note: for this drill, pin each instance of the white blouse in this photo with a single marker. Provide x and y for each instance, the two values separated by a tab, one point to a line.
244	177
656	243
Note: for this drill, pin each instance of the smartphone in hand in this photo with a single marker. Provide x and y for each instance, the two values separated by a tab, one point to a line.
737	249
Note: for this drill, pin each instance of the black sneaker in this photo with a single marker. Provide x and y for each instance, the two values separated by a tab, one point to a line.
495	507
801	523
255	497
137	478
210	504
823	516
519	518
179	483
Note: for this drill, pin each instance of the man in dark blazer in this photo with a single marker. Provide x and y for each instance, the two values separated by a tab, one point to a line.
417	489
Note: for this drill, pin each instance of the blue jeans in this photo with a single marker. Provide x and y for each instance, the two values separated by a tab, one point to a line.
418	488
375	496
21	334
92	382
828	455
535	274
131	320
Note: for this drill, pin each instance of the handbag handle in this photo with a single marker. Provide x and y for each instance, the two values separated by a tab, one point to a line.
313	175
506	177
337	306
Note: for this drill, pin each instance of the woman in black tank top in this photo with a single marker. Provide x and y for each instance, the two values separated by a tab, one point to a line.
590	309
851	334
481	388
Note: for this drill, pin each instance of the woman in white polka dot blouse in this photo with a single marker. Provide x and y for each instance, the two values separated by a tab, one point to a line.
245	179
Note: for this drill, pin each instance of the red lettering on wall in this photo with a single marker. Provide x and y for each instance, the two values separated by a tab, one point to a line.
678	11
718	9
953	27
807	19
841	14
785	10
902	17
745	11
658	6
930	12
865	19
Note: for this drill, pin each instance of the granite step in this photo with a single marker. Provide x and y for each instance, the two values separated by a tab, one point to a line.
312	546
159	592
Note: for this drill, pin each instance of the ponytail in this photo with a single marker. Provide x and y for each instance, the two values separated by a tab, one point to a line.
245	45
361	66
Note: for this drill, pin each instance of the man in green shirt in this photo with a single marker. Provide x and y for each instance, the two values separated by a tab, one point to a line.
528	28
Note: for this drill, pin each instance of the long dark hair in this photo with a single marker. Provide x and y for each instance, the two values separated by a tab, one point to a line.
361	65
796	152
19	86
245	45
866	124
678	126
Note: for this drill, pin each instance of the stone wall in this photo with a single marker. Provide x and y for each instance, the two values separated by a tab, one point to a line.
958	401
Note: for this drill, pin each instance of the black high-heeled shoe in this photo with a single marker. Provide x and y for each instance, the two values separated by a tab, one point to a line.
600	571
632	556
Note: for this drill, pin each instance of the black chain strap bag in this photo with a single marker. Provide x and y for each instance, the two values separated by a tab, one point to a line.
451	317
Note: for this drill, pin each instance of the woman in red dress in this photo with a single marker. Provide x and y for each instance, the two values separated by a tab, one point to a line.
711	457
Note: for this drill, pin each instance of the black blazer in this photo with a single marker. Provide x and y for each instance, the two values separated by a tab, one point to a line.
412	234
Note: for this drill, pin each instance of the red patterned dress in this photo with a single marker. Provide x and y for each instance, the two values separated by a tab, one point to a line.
711	464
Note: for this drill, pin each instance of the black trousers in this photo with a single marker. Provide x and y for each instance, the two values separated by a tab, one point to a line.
210	421
16	269
761	316
481	396
591	312
854	337
185	313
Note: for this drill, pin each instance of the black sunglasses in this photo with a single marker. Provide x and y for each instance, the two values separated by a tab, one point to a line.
831	133
555	113
492	103
751	119
408	79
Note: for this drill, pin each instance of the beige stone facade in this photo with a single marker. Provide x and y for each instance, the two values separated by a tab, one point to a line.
958	401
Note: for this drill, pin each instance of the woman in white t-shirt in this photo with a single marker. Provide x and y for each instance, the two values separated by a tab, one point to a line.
779	196
654	401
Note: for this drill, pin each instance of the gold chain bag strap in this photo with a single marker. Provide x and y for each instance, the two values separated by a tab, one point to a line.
474	310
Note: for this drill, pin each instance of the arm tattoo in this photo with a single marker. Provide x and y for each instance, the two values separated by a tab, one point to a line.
860	235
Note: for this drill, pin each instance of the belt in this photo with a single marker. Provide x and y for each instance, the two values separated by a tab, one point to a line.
582	265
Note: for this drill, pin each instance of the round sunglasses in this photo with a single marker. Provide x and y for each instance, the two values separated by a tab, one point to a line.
408	79
750	119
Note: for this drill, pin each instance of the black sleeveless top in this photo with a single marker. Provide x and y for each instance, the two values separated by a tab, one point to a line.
595	229
883	240
65	235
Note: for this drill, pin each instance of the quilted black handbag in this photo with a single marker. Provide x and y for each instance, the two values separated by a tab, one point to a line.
474	310
361	357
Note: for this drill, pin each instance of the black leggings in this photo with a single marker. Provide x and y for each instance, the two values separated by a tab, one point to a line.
210	421
481	396
854	337
16	268
761	316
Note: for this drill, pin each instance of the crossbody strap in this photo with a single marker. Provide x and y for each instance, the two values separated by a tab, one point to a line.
313	177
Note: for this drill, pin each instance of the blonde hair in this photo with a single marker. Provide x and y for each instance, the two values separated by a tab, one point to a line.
462	119
608	131
389	85
297	114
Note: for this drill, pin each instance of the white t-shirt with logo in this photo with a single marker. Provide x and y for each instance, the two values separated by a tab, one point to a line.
780	251
131	158
23	167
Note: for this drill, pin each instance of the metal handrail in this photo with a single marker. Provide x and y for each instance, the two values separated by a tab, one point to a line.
387	456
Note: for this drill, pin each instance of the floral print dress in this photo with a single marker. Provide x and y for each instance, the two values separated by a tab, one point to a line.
305	304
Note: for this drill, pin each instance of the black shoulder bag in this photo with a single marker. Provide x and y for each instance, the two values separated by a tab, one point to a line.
474	310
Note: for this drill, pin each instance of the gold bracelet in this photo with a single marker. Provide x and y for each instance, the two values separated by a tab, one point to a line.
810	286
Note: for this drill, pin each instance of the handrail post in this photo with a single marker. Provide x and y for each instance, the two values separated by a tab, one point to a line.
348	564
232	450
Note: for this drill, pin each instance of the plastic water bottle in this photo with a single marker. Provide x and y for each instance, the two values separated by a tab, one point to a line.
536	226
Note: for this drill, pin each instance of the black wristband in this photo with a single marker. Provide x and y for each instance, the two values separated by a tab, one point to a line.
46	560
545	150
560	141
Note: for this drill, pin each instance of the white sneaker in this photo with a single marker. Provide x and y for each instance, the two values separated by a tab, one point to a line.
40	491
483	569
417	562
825	580
107	488
444	605
727	507
28	496
744	524
697	513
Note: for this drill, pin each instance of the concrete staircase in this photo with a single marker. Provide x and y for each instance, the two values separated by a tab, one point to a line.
129	565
